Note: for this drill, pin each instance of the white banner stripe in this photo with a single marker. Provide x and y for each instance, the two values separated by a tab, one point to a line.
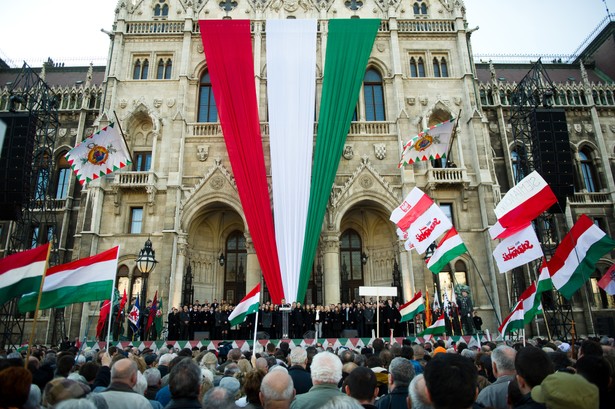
243	307
291	91
103	271
17	274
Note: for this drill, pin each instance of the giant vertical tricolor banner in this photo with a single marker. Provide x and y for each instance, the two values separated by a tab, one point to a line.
301	184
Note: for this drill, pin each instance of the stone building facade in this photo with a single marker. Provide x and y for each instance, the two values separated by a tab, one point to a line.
180	192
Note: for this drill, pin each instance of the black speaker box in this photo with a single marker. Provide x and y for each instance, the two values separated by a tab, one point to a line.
552	154
16	163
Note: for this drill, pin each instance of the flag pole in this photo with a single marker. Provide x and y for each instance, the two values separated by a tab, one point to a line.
495	312
255	332
546	323
111	309
38	304
117	121
453	134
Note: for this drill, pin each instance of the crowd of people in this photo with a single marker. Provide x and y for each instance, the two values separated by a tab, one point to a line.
437	374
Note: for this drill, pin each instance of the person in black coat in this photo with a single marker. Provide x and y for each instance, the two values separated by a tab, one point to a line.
336	323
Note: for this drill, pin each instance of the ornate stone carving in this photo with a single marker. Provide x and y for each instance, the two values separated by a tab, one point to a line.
411	100
348	152
323	5
424	100
202	152
123	103
612	128
157	102
290	5
366	181
170	102
589	128
578	128
62	132
217	182
380	47
380	150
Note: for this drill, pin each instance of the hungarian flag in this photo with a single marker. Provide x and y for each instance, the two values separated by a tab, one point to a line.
607	282
576	257
544	283
248	305
87	279
102	318
438	328
523	203
518	249
21	273
99	154
531	303
133	315
514	321
414	205
413	307
428	227
450	247
430	144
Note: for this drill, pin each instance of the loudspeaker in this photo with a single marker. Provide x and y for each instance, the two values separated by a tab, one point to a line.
350	333
201	335
551	152
16	163
262	335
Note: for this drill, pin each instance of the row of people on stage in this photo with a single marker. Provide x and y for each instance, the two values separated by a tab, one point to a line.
330	321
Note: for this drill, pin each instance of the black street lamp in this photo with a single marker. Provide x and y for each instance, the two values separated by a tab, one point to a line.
146	262
397	282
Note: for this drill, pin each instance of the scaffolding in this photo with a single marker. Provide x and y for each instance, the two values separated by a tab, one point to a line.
534	92
36	223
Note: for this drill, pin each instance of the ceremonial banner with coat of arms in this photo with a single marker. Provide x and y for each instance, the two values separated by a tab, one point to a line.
430	144
99	154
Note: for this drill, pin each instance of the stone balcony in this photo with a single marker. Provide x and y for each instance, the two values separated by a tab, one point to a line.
447	177
591	199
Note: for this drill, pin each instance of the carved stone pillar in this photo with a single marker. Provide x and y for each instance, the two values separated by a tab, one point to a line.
332	269
177	274
253	275
407	276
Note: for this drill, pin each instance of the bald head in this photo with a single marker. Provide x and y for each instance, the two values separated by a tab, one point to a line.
261	363
277	390
124	371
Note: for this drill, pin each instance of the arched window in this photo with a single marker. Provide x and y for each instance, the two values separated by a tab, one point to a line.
122	282
374	96
416	8
140	69
443	67
235	267
207	104
421	67
157	10
423	8
414	71
588	171
63	177
163	70
351	267
165	10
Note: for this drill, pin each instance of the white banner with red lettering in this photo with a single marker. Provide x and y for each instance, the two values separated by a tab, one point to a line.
428	227
518	249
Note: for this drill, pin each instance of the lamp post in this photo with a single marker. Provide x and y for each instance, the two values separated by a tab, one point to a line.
397	282
318	282
146	262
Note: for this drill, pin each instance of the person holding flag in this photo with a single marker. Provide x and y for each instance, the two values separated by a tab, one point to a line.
119	319
153	310
248	305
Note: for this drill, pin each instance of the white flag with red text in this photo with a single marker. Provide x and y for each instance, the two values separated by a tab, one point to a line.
413	206
428	227
518	249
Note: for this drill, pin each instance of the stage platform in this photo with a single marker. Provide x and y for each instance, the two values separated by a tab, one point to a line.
246	345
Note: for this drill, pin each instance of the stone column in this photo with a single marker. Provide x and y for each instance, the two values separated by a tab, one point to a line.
407	275
253	273
177	273
332	270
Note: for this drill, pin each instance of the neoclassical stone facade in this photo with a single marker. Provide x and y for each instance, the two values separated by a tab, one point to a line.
181	194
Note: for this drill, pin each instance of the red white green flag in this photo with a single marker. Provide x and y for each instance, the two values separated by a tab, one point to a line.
83	280
607	282
21	273
531	303
514	321
413	307
576	257
248	305
450	247
437	328
99	154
